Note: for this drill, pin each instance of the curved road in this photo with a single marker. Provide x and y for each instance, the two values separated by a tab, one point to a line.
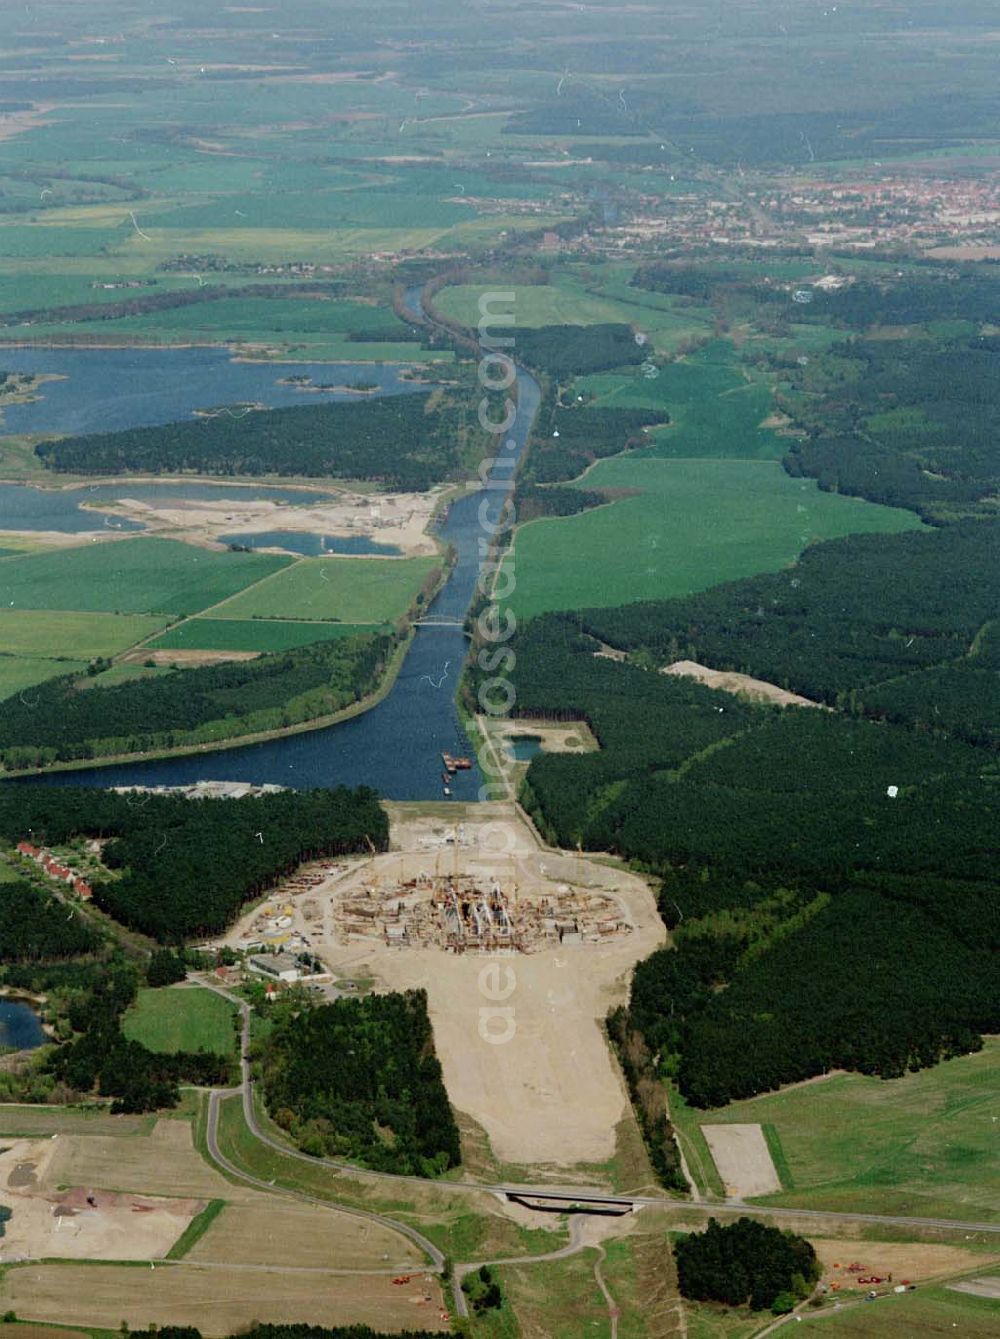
568	1194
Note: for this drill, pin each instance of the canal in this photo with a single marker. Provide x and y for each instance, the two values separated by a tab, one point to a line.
395	747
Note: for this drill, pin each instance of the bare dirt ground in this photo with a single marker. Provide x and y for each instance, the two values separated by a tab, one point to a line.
399	519
743	1158
742	684
188	658
987	1287
561	737
519	1036
219	1300
82	1222
904	1260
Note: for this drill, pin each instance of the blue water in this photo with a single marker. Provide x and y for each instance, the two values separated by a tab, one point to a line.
295	541
19	1026
522	748
396	747
25	508
110	389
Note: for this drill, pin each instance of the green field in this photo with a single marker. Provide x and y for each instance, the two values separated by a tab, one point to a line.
715	408
926	1312
920	1145
695	523
251	634
588	296
20	672
132	576
82	635
181	1019
350	590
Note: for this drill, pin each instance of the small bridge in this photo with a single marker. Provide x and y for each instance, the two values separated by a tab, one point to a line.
433	622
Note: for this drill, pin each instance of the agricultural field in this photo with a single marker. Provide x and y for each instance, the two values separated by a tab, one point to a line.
181	1019
132	576
582	296
350	590
716	408
694	523
919	1145
85	636
251	634
217	1299
222	1273
20	672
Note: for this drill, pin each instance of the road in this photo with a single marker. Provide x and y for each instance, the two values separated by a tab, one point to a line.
579	1194
567	1194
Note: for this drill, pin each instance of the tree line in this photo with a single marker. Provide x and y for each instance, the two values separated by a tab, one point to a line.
182	868
359	1079
403	441
69	719
746	1264
796	847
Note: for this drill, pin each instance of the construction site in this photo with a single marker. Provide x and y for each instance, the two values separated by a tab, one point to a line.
462	912
505	936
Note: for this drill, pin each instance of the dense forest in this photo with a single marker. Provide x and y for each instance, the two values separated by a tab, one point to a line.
34	926
797	847
910	423
88	984
359	1079
574	350
404	441
183	868
895	627
932	292
566	439
69	718
746	1264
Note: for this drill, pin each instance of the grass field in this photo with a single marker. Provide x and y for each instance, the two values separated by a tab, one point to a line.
695	523
251	634
46	1121
352	590
920	1145
181	1019
132	576
20	672
587	296
216	1299
927	1312
715	411
82	635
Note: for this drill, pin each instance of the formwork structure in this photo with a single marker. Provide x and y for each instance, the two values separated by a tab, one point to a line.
468	913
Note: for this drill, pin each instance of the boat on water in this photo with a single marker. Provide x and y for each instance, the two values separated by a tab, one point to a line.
453	764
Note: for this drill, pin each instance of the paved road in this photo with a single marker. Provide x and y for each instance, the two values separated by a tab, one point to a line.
577	1194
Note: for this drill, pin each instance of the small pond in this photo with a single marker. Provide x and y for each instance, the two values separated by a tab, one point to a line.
20	1026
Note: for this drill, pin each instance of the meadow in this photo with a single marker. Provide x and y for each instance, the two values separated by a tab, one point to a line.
20	672
693	524
188	1019
131	576
350	590
920	1145
583	296
929	1311
717	409
84	636
251	634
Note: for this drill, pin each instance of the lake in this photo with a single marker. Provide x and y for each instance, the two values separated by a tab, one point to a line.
20	1026
106	390
25	508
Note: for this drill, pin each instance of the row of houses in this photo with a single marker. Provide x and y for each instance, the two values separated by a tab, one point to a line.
56	870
